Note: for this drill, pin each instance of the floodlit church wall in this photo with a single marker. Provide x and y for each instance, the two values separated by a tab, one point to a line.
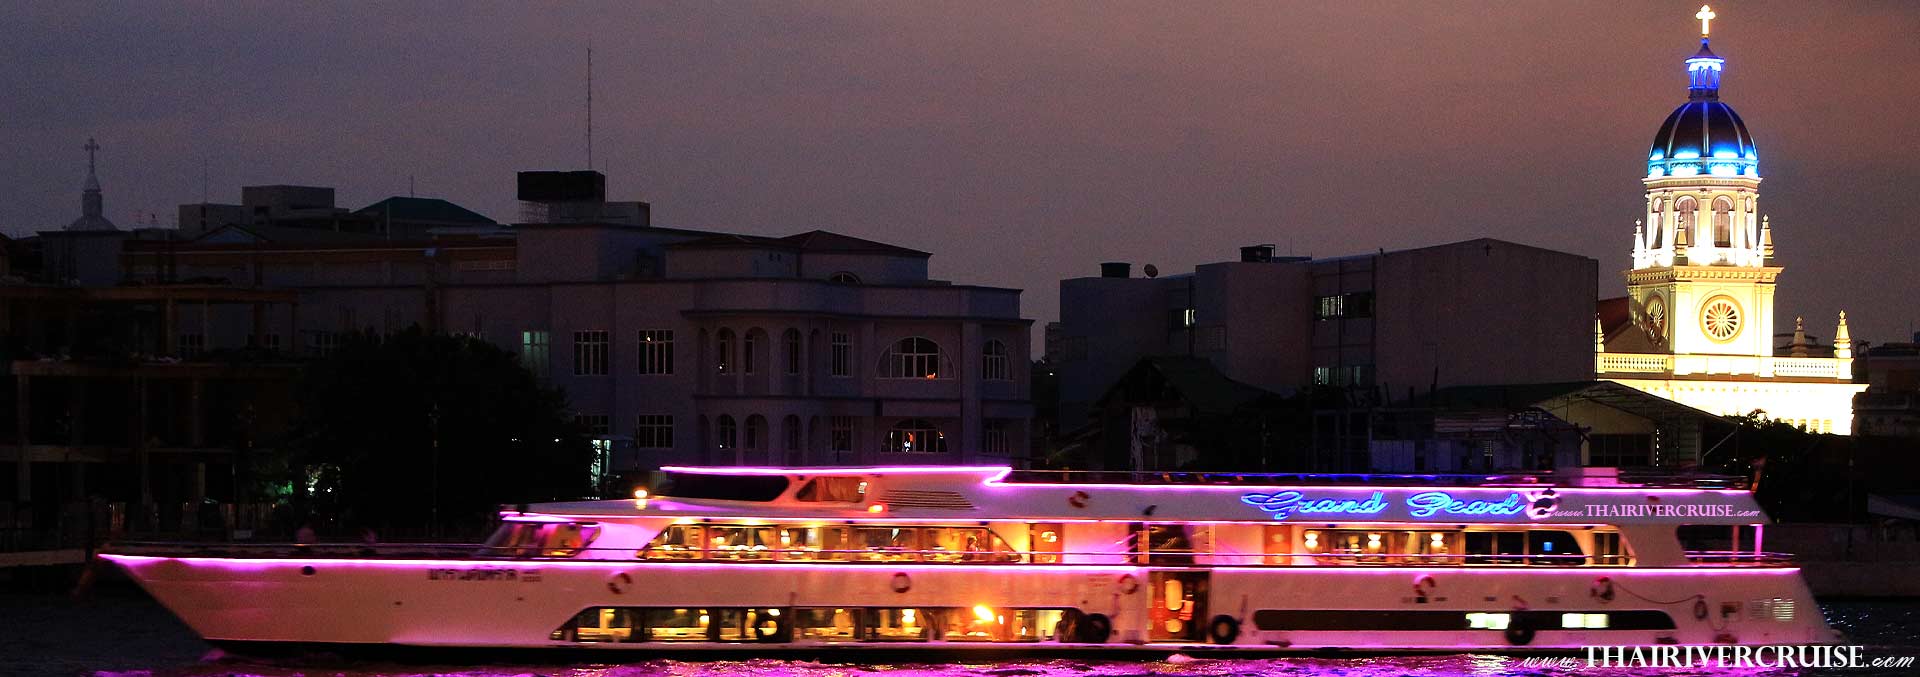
1820	407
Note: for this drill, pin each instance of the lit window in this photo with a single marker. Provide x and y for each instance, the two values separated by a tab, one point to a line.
915	436
1485	621
1588	621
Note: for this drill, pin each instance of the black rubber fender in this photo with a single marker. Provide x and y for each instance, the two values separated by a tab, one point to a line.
1224	629
1095	629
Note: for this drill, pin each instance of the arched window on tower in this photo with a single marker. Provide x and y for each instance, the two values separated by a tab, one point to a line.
1722	222
1654	221
1684	209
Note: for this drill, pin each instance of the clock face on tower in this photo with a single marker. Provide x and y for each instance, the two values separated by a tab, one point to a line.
1720	318
1657	315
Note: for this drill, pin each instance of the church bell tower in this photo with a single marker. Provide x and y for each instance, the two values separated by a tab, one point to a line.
1703	276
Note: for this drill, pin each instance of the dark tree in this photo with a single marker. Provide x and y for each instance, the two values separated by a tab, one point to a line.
395	429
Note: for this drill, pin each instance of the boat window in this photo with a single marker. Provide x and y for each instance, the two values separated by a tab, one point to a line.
833	490
1276	543
514	539
898	625
567	539
814	543
825	625
723	487
679	541
603	624
1717	542
724	542
1553	547
989	624
886	544
678	625
1045	541
1496	547
964	544
1172	543
1610	549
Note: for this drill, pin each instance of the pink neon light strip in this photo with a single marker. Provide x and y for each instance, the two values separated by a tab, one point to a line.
256	564
1003	471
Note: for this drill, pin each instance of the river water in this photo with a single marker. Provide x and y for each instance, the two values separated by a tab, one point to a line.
121	633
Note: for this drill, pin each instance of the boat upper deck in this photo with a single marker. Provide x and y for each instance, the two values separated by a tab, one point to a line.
930	493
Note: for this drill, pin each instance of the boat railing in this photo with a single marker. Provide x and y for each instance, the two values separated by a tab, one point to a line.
1623	478
1739	557
883	556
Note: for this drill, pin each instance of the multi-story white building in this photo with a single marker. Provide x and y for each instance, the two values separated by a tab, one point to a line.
674	346
1697	325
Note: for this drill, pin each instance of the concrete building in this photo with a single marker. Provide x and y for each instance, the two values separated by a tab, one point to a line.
1386	325
676	346
1697	325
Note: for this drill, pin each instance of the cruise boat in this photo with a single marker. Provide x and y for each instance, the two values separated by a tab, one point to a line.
963	558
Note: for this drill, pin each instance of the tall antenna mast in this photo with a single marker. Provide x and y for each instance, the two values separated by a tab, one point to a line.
589	103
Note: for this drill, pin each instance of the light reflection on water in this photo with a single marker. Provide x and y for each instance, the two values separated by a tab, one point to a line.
139	640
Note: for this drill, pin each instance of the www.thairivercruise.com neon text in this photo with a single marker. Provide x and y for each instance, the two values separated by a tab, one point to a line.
1813	656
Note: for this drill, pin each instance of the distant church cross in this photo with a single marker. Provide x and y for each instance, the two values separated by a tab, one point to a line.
90	148
1705	15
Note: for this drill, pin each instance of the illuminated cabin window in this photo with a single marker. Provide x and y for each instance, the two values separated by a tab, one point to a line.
679	541
833	490
813	543
886	544
1171	542
1609	549
545	539
1583	621
740	542
1276	544
1046	540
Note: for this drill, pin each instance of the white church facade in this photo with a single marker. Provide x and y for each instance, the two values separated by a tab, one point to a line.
1697	325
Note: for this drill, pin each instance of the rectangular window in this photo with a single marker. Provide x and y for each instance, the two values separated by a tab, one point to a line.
1044	540
192	345
793	353
746	353
1180	318
1350	305
996	440
842	358
841	437
590	353
653	431
533	352
596	424
323	343
995	364
656	351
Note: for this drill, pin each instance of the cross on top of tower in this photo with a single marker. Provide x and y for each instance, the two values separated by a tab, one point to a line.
1704	15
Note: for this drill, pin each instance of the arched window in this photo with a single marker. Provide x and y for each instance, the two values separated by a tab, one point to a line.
844	277
1722	222
1684	209
1655	217
756	437
725	436
795	438
748	343
994	364
916	436
913	357
791	339
723	351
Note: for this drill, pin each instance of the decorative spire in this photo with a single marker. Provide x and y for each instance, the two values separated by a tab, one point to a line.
1843	340
1799	346
1703	68
1599	335
1766	238
91	204
1639	238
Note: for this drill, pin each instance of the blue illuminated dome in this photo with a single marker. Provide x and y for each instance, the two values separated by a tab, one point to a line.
1703	136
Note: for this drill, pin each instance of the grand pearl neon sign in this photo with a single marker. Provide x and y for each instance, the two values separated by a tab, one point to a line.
1285	504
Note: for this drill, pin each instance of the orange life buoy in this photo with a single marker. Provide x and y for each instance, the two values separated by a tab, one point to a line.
619	583
902	582
1128	584
1602	589
1079	499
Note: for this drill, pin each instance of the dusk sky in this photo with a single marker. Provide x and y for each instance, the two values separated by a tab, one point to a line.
1019	144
